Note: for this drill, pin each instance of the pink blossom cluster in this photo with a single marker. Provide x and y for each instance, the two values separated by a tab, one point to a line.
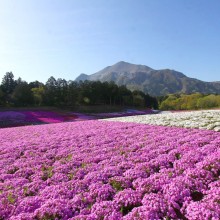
109	170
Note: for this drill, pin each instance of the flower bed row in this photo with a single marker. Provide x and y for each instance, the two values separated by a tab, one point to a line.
34	117
109	170
208	119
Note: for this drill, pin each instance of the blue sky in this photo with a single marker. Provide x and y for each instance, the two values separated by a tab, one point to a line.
63	38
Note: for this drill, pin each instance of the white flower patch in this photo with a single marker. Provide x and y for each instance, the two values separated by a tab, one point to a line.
205	119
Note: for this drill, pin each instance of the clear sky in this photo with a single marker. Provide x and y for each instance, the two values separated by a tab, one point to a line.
63	38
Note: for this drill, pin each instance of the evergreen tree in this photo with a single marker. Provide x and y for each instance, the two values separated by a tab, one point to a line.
22	95
8	85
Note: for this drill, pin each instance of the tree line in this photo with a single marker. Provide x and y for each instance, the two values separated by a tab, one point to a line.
61	93
189	102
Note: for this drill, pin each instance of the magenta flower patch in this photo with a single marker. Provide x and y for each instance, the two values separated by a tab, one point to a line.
109	170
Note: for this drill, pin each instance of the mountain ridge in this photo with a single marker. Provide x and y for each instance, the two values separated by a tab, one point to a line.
151	81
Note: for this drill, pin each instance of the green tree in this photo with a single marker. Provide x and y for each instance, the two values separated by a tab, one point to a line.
210	101
22	95
72	93
138	98
62	91
8	85
112	93
125	95
35	84
38	94
51	96
150	102
2	97
170	103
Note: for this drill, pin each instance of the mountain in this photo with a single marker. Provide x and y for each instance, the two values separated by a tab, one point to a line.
148	80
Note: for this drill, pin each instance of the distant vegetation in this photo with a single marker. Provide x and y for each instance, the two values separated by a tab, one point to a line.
189	102
62	93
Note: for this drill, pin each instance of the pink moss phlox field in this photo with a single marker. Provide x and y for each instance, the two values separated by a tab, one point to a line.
35	117
109	170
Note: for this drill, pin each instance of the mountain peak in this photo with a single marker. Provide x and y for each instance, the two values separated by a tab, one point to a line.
125	67
123	63
82	77
148	80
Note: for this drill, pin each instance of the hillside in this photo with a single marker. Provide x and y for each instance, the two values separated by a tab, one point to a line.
148	80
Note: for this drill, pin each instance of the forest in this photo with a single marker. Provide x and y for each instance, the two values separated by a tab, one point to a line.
62	93
193	101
